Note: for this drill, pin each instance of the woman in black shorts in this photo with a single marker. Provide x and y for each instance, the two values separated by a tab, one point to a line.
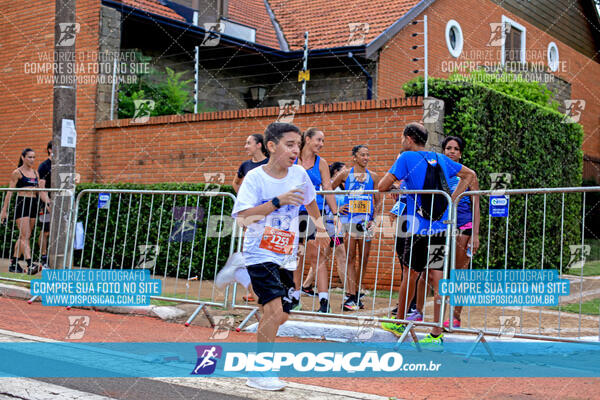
259	155
26	209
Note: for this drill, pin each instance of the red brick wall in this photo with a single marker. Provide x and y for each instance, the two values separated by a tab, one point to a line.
474	17
27	34
183	148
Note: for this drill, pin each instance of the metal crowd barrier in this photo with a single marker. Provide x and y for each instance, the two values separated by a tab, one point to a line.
544	229
42	220
382	269
182	237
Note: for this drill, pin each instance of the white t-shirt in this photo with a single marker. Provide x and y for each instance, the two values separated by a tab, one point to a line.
258	188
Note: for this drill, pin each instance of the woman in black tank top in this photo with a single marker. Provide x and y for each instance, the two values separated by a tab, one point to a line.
26	210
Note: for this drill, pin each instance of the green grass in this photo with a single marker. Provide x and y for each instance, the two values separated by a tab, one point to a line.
591	268
591	307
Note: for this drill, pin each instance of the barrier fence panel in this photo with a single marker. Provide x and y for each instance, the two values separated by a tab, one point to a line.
25	229
526	236
366	263
181	237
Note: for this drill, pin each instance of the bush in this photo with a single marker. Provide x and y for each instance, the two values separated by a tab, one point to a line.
112	241
505	133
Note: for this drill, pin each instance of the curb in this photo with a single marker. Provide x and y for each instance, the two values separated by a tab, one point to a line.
165	313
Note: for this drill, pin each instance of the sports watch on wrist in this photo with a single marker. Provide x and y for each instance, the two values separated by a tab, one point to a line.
276	203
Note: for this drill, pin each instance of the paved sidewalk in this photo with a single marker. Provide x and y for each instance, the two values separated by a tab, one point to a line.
53	323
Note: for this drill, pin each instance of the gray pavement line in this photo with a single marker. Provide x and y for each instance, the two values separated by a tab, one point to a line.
582	295
293	390
31	389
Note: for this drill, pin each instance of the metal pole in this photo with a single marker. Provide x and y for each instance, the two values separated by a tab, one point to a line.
304	68
112	92
425	54
63	128
196	68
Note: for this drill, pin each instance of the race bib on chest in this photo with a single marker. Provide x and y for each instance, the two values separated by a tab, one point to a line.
277	240
359	206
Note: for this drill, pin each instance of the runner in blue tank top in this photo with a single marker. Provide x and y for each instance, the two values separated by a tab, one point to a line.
318	171
360	208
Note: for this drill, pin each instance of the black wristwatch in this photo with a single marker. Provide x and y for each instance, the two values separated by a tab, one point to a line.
276	203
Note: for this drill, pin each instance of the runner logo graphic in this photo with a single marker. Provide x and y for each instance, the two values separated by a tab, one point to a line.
207	359
573	110
500	182
436	256
499	32
287	110
143	109
432	110
77	326
148	255
187	221
508	326
213	178
366	328
68	32
579	254
223	325
212	37
358	33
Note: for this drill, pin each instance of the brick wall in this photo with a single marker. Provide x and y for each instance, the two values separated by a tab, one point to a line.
26	104
474	17
183	148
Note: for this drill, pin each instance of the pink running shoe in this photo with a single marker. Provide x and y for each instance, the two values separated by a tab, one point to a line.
455	323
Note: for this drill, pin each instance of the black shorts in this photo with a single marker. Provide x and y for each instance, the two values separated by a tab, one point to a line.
26	207
467	232
270	281
425	253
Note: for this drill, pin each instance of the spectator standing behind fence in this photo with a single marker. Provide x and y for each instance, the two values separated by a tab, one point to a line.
318	171
259	155
45	174
412	166
361	209
26	209
467	218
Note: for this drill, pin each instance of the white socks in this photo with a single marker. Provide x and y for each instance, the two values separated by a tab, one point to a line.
323	295
242	277
296	294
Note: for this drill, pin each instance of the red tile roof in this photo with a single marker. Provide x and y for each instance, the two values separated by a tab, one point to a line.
254	14
327	21
154	7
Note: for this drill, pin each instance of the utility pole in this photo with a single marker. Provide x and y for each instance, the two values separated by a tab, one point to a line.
63	131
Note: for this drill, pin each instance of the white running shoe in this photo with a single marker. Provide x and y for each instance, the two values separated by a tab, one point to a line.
227	274
270	383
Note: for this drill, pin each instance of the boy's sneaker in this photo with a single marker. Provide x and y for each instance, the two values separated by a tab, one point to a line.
396	329
350	304
415	316
270	383
15	268
308	291
455	323
324	306
227	274
432	343
296	305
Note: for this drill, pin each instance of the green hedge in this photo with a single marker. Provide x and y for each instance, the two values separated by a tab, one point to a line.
151	223
505	133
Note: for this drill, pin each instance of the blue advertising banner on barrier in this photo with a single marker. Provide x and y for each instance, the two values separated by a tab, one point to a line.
220	359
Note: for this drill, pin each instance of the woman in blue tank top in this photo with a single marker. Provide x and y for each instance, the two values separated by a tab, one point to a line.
467	218
359	210
318	171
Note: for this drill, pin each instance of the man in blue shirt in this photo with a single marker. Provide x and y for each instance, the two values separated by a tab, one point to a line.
422	233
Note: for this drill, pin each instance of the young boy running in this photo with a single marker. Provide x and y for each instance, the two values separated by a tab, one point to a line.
267	205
